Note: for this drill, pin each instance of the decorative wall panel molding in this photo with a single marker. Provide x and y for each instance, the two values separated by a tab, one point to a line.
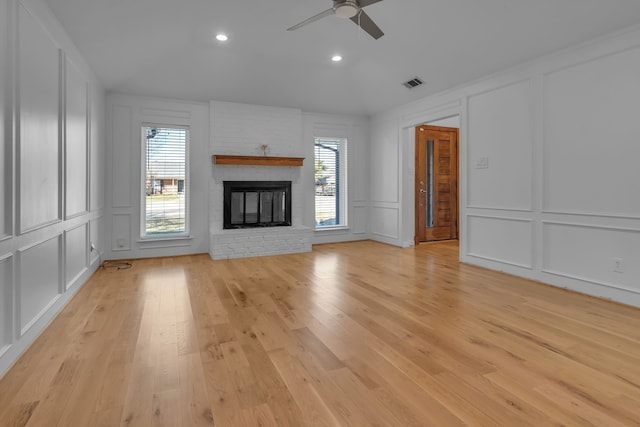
6	302
97	150
96	237
6	175
499	148
590	214
591	124
589	252
121	232
384	183
498	208
435	112
161	113
38	144
384	221
45	143
501	239
359	220
76	254
76	142
121	151
126	114
38	280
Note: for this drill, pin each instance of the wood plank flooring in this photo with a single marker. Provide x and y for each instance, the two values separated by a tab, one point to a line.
356	334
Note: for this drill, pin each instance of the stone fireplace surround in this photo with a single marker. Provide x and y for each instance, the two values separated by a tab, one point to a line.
242	129
249	242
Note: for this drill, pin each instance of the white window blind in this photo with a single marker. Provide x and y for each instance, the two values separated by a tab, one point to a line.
331	182
165	180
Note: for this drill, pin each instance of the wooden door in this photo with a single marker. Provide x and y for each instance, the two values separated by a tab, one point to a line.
436	187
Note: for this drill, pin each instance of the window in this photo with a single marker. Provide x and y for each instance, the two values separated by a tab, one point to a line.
165	181
331	182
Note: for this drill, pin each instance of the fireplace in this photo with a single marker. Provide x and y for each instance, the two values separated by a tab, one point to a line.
254	204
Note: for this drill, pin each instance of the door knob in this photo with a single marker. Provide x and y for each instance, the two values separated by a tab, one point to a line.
423	191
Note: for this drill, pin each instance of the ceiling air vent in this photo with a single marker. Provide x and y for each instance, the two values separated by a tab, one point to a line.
412	83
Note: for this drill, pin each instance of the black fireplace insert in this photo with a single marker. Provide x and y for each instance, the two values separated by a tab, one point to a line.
251	204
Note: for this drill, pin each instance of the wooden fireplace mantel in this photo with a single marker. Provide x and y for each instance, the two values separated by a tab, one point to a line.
223	159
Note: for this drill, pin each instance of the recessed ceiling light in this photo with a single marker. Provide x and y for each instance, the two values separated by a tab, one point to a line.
336	58
221	37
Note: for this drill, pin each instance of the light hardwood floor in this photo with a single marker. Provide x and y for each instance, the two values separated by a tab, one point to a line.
353	334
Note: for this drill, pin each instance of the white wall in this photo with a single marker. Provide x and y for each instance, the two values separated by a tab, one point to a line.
242	128
125	117
448	122
385	180
558	201
51	198
355	129
223	128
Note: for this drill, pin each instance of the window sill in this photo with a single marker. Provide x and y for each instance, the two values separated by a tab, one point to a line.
336	228
164	242
150	239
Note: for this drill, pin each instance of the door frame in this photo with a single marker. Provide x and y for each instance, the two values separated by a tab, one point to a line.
456	207
405	205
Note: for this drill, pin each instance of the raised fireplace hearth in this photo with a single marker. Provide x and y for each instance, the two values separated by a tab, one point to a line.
256	204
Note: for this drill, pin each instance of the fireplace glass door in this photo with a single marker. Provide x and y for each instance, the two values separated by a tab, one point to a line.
257	204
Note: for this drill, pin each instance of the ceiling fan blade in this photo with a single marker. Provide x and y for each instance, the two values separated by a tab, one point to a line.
367	24
314	18
364	3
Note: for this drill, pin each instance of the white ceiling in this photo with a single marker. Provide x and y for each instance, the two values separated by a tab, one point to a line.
167	48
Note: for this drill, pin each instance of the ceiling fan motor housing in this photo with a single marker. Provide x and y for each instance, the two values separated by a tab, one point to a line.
348	9
345	9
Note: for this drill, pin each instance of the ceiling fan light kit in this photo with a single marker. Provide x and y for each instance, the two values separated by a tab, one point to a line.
348	9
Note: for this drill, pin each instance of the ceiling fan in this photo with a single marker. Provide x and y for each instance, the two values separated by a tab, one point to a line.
348	9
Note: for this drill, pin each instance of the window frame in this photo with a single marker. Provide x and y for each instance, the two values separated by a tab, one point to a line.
143	178
342	190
